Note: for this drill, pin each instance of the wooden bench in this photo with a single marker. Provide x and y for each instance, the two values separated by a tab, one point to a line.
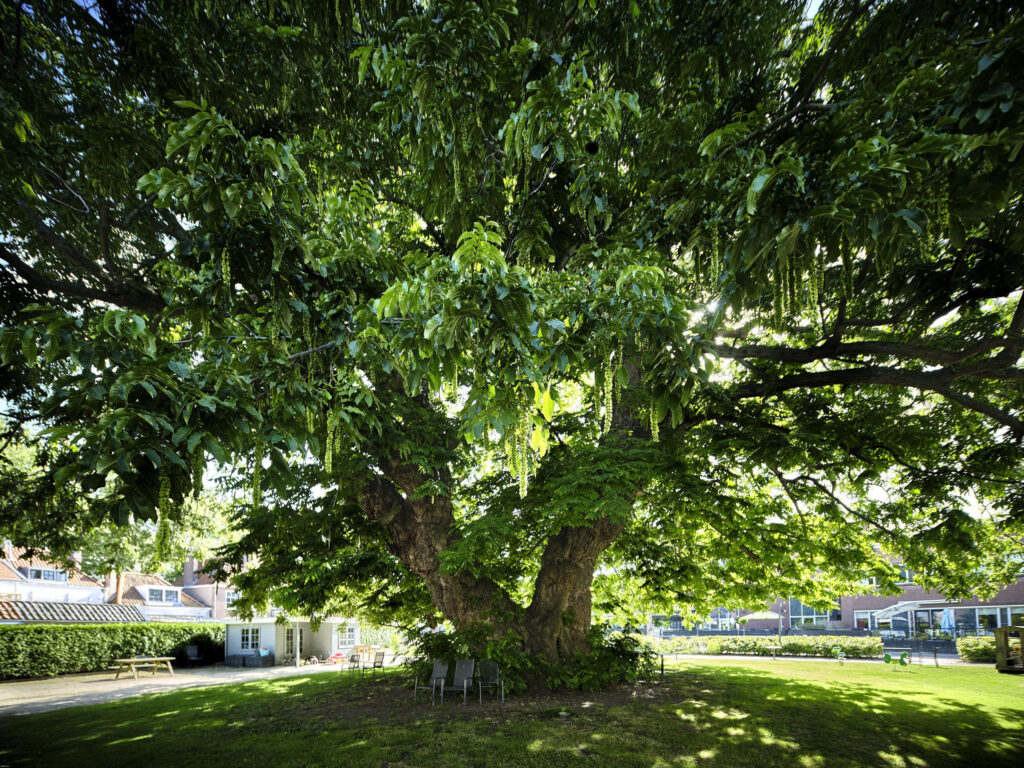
142	662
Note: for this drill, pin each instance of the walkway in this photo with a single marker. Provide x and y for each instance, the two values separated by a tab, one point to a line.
20	697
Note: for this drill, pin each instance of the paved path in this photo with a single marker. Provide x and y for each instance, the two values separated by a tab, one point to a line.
22	697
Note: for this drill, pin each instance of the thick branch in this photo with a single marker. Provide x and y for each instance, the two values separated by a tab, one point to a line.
143	301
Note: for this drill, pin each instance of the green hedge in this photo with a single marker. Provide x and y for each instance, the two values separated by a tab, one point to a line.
40	650
977	648
759	645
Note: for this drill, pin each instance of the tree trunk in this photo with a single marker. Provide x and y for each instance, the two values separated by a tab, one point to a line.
558	618
418	531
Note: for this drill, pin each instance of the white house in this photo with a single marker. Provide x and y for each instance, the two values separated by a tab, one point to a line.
294	637
156	598
35	579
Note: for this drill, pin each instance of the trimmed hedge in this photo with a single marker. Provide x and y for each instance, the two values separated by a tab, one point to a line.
41	650
794	645
976	648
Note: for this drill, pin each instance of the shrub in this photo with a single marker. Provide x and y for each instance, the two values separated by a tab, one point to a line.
760	645
613	658
40	650
976	648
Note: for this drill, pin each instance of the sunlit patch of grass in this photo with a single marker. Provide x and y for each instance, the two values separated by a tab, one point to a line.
711	713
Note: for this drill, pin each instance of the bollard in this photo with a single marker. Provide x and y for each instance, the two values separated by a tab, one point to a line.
663	665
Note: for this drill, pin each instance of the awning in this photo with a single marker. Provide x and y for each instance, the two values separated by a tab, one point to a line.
887	614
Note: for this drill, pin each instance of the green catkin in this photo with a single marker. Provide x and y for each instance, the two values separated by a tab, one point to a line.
812	290
337	440
257	477
198	465
609	388
206	328
162	544
456	170
329	442
225	267
164	505
655	434
715	272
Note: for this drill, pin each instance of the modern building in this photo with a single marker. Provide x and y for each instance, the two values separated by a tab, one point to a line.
38	579
914	612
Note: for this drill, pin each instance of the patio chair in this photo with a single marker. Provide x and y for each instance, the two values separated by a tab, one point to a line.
490	677
436	680
462	680
192	655
353	662
374	663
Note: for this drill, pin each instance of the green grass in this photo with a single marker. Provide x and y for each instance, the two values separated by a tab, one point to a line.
721	712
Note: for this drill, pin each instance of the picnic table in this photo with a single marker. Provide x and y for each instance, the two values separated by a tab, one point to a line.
774	649
136	663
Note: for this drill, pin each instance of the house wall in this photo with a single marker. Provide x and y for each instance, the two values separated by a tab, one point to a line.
322	642
213	595
268	638
48	591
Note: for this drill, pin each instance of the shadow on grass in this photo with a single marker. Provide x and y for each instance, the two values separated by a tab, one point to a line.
696	716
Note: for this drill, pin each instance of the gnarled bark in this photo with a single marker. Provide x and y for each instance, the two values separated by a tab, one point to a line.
557	620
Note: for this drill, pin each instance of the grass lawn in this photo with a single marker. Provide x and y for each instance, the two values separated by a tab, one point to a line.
719	712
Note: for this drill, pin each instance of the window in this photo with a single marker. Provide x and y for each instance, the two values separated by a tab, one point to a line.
906	575
870	581
988	619
289	641
170	595
230	597
250	638
347	635
1016	616
862	619
47	574
156	595
801	615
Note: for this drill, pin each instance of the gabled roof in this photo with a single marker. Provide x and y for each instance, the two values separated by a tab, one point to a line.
68	613
140	581
16	559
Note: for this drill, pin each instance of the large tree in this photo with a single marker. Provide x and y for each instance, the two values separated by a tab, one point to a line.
485	297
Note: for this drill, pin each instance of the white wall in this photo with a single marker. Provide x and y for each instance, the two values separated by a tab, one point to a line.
49	591
173	612
268	638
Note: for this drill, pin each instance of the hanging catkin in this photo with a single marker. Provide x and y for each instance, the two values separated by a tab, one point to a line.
164	504
257	476
198	465
225	267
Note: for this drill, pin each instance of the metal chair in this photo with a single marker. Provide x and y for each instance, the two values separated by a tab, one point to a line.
462	679
352	663
374	663
437	678
490	677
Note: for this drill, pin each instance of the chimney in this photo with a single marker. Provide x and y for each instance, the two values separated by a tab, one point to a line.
76	558
188	576
119	589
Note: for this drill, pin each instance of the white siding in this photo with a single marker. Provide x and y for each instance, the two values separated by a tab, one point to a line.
321	645
233	639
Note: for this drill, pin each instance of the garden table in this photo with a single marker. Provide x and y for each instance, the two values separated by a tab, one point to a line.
136	663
